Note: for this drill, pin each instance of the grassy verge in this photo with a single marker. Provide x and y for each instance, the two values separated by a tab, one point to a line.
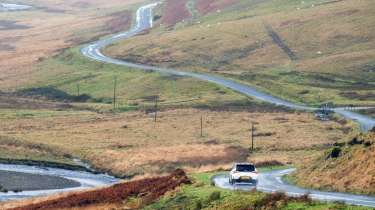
202	195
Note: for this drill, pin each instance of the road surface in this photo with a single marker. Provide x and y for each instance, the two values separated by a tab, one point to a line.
272	182
13	7
144	21
85	180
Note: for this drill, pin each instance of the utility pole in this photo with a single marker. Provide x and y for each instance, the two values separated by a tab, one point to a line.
156	108
252	137
201	126
114	92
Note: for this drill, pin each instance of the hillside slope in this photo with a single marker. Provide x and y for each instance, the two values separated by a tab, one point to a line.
28	37
346	167
307	51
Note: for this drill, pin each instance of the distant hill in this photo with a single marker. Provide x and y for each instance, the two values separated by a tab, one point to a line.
311	51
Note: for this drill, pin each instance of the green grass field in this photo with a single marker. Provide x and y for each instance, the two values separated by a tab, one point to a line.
310	52
70	74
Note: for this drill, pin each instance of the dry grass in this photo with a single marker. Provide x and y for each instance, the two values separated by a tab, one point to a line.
52	26
147	190
207	6
175	11
352	171
131	144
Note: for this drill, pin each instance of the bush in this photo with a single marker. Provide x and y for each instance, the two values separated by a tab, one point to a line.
3	190
198	205
214	196
269	163
335	152
51	93
157	17
355	141
278	200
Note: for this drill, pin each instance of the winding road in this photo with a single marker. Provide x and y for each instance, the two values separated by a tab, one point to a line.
268	182
272	182
13	7
144	20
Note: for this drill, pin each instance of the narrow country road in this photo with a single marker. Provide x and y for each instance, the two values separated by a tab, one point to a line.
268	182
272	182
13	7
144	21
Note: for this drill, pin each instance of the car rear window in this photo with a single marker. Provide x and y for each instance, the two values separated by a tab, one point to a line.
245	168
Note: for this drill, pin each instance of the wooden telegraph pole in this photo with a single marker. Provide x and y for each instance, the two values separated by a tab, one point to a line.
156	108
78	89
201	126
114	92
252	137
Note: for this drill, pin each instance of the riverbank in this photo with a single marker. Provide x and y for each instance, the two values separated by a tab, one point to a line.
20	181
45	164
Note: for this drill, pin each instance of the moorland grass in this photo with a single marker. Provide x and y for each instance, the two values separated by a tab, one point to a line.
332	41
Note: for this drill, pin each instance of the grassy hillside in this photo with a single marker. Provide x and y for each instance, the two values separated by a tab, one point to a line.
311	51
27	37
346	167
70	72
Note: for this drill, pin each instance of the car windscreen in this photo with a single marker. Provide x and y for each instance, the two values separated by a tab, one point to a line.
245	168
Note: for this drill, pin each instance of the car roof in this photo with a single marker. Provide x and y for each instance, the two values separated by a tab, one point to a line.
243	164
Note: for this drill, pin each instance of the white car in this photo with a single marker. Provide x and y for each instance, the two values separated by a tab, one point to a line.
243	172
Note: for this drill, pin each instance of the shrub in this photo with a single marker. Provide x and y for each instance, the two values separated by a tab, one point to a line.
198	205
355	141
269	163
335	152
214	196
278	200
3	190
51	93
